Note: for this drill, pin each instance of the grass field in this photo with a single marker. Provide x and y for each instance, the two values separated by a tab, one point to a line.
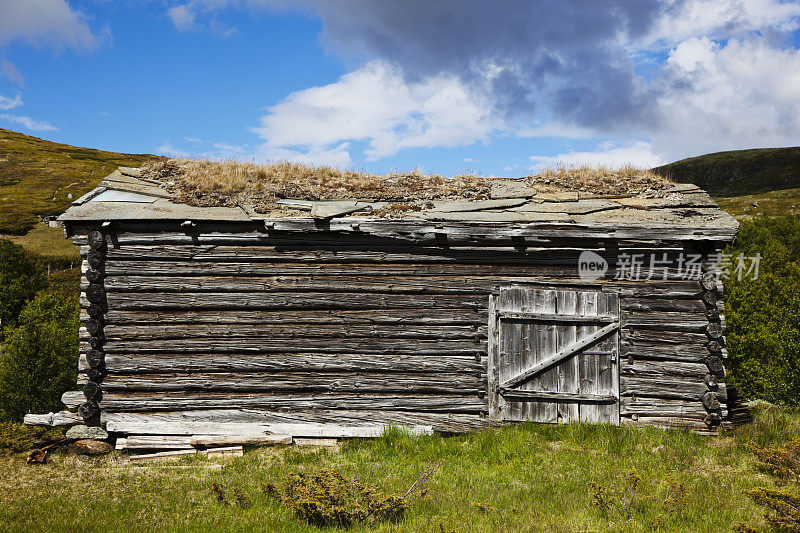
39	177
739	172
520	478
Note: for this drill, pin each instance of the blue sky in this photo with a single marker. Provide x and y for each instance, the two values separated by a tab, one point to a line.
452	86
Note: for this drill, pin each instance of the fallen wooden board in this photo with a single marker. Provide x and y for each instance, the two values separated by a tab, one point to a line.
247	440
315	442
159	456
235	451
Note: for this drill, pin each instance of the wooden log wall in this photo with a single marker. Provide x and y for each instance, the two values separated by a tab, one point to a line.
185	320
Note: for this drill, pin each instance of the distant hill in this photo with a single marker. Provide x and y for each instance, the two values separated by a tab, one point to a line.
739	172
37	177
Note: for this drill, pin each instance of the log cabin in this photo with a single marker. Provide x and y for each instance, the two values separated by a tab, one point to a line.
520	300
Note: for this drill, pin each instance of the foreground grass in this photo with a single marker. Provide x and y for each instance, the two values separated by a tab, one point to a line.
520	478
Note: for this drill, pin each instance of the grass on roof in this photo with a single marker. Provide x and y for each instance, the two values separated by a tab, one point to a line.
208	183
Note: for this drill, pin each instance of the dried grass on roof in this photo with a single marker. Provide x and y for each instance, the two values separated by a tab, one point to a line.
207	183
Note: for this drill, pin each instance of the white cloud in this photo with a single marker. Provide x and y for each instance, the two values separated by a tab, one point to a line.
335	156
226	148
11	72
29	123
712	97
193	140
10	103
51	22
721	19
169	150
182	16
638	154
374	104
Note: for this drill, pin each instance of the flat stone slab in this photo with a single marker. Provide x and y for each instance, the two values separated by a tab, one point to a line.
87	432
478	205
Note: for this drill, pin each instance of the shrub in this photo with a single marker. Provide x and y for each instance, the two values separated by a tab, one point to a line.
20	279
763	315
784	505
16	438
39	358
325	498
782	461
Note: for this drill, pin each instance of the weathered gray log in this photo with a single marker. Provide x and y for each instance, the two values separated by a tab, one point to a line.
363	278
304	318
246	440
664	370
672	321
313	422
666	422
719	231
288	301
95	358
715	346
673	389
714	330
139	363
662	407
279	343
423	233
91	391
96	260
150	332
93	326
95	293
61	418
709	298
709	281
715	366
96	241
90	411
711	400
297	381
93	276
171	401
662	304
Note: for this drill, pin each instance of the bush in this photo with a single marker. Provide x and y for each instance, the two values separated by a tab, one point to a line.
16	438
325	498
763	315
785	507
20	279
39	359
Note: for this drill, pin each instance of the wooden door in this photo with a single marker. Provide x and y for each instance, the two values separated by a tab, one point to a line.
554	355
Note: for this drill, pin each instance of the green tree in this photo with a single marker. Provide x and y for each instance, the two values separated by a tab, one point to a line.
39	360
763	315
20	279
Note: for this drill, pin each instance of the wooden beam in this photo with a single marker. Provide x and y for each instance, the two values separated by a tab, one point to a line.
533	396
545	317
566	353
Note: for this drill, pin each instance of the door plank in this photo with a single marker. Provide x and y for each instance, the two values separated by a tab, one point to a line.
567	352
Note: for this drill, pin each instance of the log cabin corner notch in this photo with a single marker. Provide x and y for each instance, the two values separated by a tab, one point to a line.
451	317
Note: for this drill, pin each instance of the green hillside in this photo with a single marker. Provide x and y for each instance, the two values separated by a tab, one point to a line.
39	177
739	172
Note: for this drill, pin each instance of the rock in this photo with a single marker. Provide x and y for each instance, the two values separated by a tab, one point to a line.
87	432
91	447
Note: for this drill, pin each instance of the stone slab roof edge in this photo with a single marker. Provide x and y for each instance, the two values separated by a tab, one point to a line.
685	206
